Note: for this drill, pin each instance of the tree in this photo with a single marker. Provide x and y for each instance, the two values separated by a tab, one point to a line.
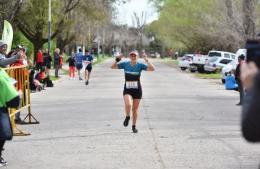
32	21
203	25
9	10
88	16
249	17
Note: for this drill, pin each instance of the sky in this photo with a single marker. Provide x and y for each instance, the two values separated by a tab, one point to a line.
125	11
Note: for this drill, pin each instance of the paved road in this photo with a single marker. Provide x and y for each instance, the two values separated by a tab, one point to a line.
184	123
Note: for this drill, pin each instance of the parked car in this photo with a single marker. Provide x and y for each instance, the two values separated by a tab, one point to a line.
198	63
217	60
185	61
232	65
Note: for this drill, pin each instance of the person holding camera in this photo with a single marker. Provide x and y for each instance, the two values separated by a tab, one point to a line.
4	61
132	88
250	78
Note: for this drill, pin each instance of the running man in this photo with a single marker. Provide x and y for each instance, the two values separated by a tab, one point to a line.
88	60
132	89
79	60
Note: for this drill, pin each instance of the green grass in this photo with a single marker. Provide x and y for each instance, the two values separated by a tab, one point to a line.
53	78
171	62
209	76
65	71
101	59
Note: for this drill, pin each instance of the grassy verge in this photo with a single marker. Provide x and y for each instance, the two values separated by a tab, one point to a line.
171	62
53	78
101	59
65	71
208	76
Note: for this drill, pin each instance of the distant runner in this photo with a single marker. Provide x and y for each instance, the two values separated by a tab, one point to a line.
88	60
132	88
79	64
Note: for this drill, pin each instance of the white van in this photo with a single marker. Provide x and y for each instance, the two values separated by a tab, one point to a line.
218	59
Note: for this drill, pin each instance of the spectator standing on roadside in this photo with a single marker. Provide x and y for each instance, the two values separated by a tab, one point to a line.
241	59
4	61
61	60
57	61
47	61
39	60
9	98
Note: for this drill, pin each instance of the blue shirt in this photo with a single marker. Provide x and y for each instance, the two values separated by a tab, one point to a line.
89	58
132	72
79	57
230	83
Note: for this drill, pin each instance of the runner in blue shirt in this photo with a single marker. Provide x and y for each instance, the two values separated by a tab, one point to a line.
132	88
79	64
88	60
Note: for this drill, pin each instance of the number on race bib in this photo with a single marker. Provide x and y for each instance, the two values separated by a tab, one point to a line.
132	85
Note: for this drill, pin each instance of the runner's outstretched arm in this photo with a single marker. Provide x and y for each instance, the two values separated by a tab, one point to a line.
114	65
150	65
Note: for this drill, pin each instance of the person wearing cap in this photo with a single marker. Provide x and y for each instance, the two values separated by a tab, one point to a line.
4	62
132	88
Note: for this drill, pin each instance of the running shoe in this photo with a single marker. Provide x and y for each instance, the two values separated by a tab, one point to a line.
134	129
86	83
80	78
2	162
126	122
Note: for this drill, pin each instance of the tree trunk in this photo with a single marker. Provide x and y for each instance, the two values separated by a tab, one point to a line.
249	18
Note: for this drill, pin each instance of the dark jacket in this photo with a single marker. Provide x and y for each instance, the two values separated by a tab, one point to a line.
71	61
47	59
237	73
56	59
251	113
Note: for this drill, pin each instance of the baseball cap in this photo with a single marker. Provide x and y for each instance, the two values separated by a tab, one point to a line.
2	43
20	47
134	53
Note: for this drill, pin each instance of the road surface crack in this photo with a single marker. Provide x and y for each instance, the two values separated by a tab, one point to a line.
156	147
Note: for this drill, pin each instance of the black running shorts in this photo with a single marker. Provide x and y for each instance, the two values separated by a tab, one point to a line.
135	93
89	68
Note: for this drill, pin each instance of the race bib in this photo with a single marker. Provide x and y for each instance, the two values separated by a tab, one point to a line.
132	85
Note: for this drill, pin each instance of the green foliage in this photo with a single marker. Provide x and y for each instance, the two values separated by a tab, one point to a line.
20	39
197	25
34	15
53	46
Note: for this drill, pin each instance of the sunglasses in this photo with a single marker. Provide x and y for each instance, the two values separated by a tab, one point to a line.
132	55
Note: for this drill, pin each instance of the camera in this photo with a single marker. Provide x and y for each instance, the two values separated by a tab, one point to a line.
253	52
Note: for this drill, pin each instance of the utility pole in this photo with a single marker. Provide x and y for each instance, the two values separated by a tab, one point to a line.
49	28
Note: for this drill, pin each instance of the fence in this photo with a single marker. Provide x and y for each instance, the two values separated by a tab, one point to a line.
21	75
